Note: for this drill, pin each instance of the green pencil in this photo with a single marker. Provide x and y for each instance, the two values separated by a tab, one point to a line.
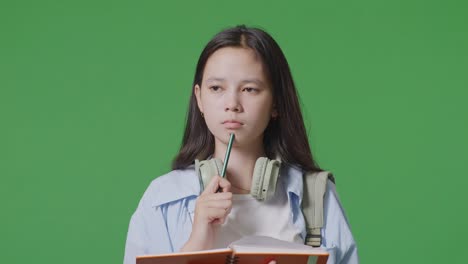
226	157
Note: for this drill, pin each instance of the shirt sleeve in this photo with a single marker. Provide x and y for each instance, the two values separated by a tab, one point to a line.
336	234
147	232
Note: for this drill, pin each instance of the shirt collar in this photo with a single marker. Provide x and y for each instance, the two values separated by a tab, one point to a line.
175	185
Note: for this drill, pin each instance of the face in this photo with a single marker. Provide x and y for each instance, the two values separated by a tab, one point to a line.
235	96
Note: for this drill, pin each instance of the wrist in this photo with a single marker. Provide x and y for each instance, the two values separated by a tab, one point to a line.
198	241
194	245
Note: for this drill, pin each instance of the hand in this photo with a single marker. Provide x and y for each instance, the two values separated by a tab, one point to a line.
211	210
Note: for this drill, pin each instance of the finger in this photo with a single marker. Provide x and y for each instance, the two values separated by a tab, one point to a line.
225	185
218	221
213	185
223	204
228	211
217	196
223	220
215	214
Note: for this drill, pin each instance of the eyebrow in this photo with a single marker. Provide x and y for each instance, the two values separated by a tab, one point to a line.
253	80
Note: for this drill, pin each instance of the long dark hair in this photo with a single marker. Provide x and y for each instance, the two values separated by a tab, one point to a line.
285	137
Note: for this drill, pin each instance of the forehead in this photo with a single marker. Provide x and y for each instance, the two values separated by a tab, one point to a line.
233	63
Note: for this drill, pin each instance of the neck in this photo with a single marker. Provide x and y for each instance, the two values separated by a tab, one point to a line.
241	164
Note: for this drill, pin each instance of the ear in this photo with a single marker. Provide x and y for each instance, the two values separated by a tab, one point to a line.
274	113
197	92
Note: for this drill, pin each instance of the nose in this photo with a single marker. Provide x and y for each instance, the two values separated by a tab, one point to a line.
232	102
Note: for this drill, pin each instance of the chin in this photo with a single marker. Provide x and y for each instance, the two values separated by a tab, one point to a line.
224	136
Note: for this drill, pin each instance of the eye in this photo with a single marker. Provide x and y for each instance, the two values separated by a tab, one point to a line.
214	88
250	89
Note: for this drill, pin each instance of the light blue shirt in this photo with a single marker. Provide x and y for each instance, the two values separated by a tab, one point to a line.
162	222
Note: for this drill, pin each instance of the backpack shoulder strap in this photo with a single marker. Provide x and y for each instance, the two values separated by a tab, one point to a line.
206	170
315	185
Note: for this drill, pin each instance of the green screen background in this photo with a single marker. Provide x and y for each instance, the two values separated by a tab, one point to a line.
93	97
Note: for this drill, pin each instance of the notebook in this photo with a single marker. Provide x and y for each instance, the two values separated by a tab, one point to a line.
251	249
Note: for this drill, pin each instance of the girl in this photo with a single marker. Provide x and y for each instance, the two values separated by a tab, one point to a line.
242	85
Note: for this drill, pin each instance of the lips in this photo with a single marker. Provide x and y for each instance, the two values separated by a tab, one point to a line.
232	124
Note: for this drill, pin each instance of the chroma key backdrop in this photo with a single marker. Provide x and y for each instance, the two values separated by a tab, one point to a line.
94	94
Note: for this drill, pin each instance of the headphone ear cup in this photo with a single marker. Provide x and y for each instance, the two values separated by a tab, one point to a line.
264	179
206	170
272	170
257	178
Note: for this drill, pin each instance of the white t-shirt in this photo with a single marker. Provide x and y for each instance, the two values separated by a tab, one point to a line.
249	217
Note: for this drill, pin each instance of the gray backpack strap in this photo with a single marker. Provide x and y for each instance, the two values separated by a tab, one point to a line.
206	170
315	185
